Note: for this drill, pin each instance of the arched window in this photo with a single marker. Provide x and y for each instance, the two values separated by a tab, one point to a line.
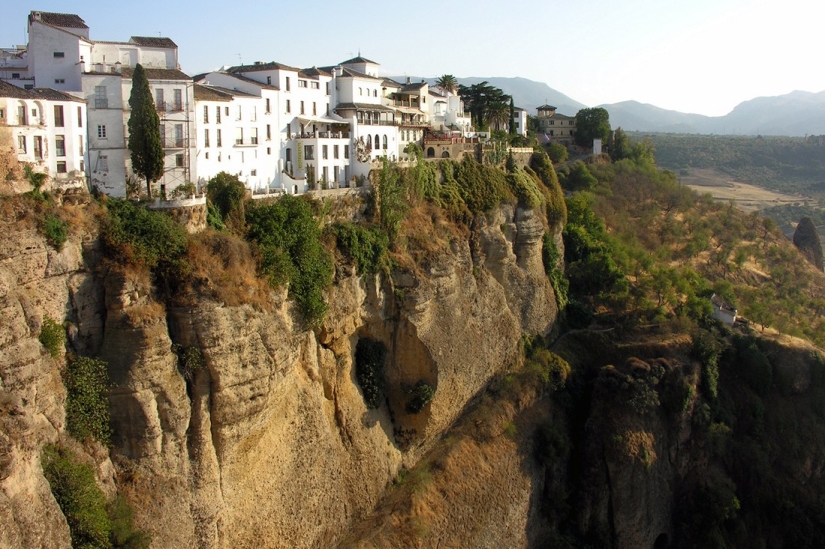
385	142
445	154
430	152
360	91
377	142
375	93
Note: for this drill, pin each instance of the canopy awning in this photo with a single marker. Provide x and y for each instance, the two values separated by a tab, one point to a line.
303	119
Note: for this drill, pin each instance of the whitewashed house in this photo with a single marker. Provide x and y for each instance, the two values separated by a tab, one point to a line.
107	96
48	128
446	112
520	121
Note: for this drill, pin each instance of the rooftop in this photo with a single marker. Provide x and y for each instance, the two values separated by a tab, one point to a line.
546	108
12	91
261	66
157	74
153	41
66	20
358	59
211	93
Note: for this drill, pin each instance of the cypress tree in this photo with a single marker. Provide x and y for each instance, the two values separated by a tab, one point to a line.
144	131
512	117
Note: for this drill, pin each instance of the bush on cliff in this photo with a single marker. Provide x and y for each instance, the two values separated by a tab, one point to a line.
87	406
288	237
369	370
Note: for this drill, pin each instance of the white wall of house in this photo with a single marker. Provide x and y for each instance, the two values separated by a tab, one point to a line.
106	132
50	135
54	57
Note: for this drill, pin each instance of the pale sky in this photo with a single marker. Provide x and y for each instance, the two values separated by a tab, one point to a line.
701	56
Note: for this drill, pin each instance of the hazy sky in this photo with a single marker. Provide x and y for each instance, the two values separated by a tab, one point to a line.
702	56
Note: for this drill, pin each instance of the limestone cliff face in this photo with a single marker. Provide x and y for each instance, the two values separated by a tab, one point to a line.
269	442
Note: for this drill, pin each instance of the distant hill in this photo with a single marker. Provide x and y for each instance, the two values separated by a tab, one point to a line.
794	114
527	94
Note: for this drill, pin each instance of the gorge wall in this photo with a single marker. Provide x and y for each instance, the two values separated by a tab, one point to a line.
268	441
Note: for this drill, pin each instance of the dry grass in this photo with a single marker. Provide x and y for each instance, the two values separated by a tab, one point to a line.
747	197
426	232
224	269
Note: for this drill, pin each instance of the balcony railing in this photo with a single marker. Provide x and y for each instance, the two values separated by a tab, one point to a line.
372	122
319	135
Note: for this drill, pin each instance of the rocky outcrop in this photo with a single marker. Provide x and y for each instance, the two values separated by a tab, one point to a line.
806	239
265	439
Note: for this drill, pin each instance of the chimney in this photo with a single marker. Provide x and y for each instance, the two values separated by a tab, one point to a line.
409	80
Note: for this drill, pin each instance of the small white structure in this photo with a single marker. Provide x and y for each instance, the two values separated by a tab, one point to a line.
597	146
48	128
520	121
722	310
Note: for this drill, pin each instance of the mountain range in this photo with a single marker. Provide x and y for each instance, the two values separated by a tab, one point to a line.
797	113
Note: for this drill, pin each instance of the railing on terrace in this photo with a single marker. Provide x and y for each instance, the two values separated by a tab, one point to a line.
377	122
319	135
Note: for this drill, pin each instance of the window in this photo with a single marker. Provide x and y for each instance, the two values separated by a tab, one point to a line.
377	142
21	115
80	145
59	80
327	109
267	105
269	150
375	93
325	152
58	116
206	155
226	111
3	115
59	54
218	138
335	152
34	113
360	91
327	84
239	136
101	131
346	151
21	143
15	75
38	147
79	117
101	101
28	86
238	113
302	83
178	135
288	106
205	138
254	136
287	83
253	172
268	132
61	166
254	114
217	115
309	152
160	104
288	154
60	145
178	160
103	163
314	85
385	142
269	80
205	114
314	109
178	100
302	107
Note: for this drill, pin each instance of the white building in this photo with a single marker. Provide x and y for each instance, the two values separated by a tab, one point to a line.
237	133
48	128
520	121
107	96
446	112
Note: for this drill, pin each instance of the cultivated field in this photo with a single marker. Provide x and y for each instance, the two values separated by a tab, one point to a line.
746	197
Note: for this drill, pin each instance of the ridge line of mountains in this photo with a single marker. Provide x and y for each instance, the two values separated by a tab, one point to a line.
798	113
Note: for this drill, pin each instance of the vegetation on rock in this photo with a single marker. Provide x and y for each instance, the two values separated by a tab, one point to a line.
87	405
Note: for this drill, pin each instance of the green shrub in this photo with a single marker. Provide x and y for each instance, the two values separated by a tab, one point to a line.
133	234
551	258
55	230
481	187
369	370
422	394
80	499
52	336
190	360
525	189
368	247
289	239
87	407
92	523
227	193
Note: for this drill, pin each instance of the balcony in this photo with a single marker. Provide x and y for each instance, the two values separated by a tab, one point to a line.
372	122
319	135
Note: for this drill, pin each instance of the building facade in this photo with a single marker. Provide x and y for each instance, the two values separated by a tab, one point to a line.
555	127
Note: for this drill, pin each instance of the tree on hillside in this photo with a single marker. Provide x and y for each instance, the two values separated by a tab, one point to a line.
557	152
487	104
592	124
512	117
619	145
144	131
447	82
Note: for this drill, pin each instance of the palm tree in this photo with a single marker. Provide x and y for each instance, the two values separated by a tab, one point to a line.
498	114
447	82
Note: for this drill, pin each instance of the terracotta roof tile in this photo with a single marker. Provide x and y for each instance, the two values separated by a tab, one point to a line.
153	41
209	93
268	66
67	20
157	74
